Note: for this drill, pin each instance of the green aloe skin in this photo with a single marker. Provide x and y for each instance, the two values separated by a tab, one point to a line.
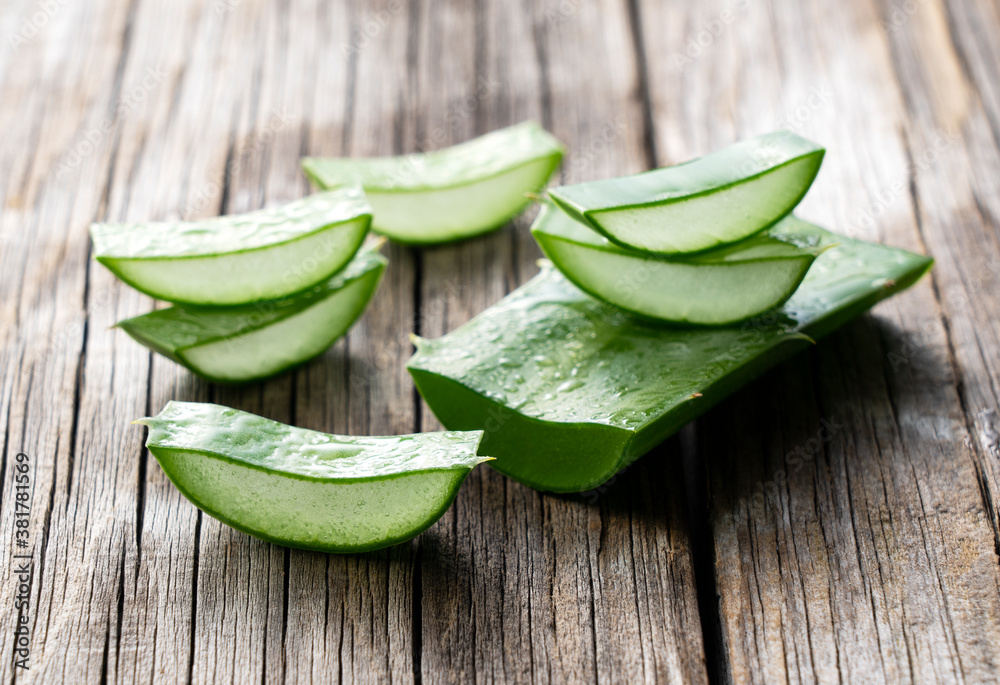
239	258
249	342
449	194
306	489
723	285
569	389
720	198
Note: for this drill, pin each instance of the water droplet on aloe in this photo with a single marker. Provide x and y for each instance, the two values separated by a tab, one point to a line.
570	385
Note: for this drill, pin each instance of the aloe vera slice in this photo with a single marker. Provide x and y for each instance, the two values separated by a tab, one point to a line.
720	198
238	258
719	286
249	342
306	489
570	390
448	194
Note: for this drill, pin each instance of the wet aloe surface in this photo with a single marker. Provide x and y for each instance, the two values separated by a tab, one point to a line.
231	233
239	258
259	442
570	389
302	488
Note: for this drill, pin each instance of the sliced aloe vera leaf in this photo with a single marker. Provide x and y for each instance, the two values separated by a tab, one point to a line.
719	286
306	489
569	390
720	198
238	258
249	342
448	194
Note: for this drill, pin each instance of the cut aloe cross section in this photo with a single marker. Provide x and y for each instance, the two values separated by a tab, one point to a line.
254	341
570	390
238	258
713	200
719	286
449	194
306	489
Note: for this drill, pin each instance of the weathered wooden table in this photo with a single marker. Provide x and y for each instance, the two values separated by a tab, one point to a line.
834	521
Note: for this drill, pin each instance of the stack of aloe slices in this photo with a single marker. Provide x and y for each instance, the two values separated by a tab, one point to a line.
449	194
574	375
251	341
717	199
703	243
254	293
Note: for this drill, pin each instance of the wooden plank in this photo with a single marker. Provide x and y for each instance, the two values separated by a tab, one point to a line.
200	593
241	607
637	537
470	620
59	84
160	174
256	610
352	615
850	537
518	585
957	149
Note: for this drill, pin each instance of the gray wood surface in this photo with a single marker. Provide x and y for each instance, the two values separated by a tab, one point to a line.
835	521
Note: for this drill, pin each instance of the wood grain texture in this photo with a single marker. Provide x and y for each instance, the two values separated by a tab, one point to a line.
851	527
843	521
597	586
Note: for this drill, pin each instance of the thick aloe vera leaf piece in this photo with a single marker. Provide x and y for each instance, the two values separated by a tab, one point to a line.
720	286
306	489
249	342
448	194
570	389
239	258
720	198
